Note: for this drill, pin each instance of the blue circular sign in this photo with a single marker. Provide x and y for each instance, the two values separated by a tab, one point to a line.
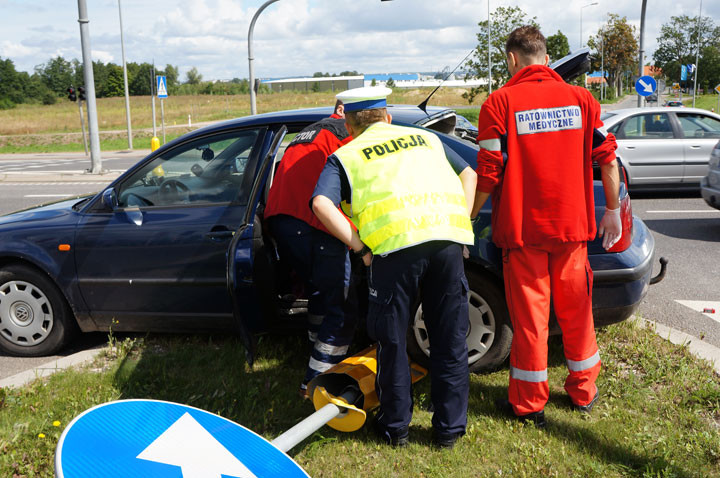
645	85
164	439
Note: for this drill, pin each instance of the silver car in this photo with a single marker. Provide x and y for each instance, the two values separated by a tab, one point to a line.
664	147
710	184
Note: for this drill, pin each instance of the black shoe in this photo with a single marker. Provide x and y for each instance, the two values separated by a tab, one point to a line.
446	440
399	438
587	408
537	418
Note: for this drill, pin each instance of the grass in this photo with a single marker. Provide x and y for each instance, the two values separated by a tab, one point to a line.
657	417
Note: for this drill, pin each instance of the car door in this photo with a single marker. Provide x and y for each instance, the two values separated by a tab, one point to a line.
151	255
700	134
246	292
648	146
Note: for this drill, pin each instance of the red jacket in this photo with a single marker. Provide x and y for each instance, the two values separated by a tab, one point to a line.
538	137
300	167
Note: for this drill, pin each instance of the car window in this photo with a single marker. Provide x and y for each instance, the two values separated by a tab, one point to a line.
695	125
604	116
208	170
647	126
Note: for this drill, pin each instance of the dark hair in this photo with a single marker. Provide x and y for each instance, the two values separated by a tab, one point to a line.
526	41
338	103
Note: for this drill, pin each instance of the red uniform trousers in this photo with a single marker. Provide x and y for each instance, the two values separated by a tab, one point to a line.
532	276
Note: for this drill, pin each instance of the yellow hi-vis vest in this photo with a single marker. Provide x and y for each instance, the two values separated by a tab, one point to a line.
404	191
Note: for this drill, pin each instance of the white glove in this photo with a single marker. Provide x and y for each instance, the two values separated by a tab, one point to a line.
610	228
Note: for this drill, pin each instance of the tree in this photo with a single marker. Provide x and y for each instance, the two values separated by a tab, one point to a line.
390	83
171	75
57	74
504	21
678	42
193	76
373	82
557	46
620	49
140	79
316	87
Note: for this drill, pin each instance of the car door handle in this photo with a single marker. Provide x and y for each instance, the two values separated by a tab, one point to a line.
695	146
220	234
629	147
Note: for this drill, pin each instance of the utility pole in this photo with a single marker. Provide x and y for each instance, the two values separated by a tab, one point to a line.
96	160
642	37
125	78
489	57
697	54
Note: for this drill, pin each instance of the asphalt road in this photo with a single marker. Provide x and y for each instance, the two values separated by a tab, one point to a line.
686	231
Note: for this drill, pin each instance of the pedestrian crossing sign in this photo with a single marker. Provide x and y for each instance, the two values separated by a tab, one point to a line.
161	87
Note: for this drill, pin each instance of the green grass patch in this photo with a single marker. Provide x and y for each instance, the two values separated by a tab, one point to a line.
471	114
114	143
657	416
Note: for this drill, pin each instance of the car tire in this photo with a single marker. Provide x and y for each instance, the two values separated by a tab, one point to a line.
35	319
489	335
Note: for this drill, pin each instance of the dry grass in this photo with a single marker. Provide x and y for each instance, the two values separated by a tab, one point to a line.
63	117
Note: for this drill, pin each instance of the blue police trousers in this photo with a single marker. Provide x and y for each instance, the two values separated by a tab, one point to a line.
433	272
323	263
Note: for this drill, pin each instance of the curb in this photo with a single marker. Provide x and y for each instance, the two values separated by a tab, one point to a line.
49	368
697	346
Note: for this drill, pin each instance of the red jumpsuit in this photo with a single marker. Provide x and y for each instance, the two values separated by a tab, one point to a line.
538	137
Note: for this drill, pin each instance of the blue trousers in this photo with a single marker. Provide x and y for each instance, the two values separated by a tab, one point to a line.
434	272
323	263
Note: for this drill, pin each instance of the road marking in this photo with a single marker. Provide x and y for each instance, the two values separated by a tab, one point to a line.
684	211
701	305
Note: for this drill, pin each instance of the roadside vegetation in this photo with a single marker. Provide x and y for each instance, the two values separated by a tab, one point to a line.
658	415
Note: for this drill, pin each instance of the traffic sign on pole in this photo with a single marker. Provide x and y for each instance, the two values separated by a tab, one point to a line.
160	439
717	88
161	87
645	85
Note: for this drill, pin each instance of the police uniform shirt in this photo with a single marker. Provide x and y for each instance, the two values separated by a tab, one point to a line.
334	184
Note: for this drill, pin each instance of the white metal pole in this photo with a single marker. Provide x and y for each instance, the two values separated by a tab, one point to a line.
642	39
251	73
489	54
95	159
162	118
82	126
697	54
125	78
152	94
602	69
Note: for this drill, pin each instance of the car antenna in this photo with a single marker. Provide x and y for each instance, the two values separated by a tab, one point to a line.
423	105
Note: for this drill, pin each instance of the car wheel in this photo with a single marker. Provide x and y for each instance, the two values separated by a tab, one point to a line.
35	319
489	335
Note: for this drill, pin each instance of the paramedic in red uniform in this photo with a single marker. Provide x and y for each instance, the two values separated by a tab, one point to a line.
319	259
538	138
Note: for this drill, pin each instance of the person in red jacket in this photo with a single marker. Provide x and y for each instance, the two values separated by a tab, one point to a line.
319	259
538	138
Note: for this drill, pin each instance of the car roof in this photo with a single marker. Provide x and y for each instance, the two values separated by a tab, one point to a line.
616	115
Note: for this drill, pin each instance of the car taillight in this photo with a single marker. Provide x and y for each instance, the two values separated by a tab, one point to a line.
626	219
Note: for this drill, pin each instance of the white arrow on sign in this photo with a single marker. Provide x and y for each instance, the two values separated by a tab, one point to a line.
188	445
645	86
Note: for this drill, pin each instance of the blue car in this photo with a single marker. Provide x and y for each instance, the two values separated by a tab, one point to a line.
178	244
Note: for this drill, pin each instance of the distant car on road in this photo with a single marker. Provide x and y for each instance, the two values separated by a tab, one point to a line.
710	184
672	103
652	98
664	147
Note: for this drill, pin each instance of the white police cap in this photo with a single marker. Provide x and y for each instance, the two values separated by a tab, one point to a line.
366	98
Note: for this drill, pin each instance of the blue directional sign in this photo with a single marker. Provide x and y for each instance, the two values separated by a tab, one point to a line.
161	87
162	439
645	85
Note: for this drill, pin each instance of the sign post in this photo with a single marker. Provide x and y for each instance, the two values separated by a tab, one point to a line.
162	94
717	90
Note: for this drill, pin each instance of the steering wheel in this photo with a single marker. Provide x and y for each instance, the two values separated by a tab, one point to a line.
173	191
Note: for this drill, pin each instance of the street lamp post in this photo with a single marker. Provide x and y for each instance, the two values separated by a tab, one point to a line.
253	107
125	79
581	21
642	39
489	54
697	54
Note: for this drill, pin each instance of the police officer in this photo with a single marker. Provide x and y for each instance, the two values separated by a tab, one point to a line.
318	258
412	215
538	138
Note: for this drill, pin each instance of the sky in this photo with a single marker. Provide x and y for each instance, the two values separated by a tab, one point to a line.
299	37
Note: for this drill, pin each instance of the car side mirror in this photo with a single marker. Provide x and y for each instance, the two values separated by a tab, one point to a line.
109	199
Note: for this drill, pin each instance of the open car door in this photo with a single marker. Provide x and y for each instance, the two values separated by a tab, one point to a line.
247	240
573	65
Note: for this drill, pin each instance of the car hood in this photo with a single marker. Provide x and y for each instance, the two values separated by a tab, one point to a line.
42	212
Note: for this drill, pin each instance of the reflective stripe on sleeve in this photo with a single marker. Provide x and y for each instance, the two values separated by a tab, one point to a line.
580	365
528	375
319	366
490	144
327	349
